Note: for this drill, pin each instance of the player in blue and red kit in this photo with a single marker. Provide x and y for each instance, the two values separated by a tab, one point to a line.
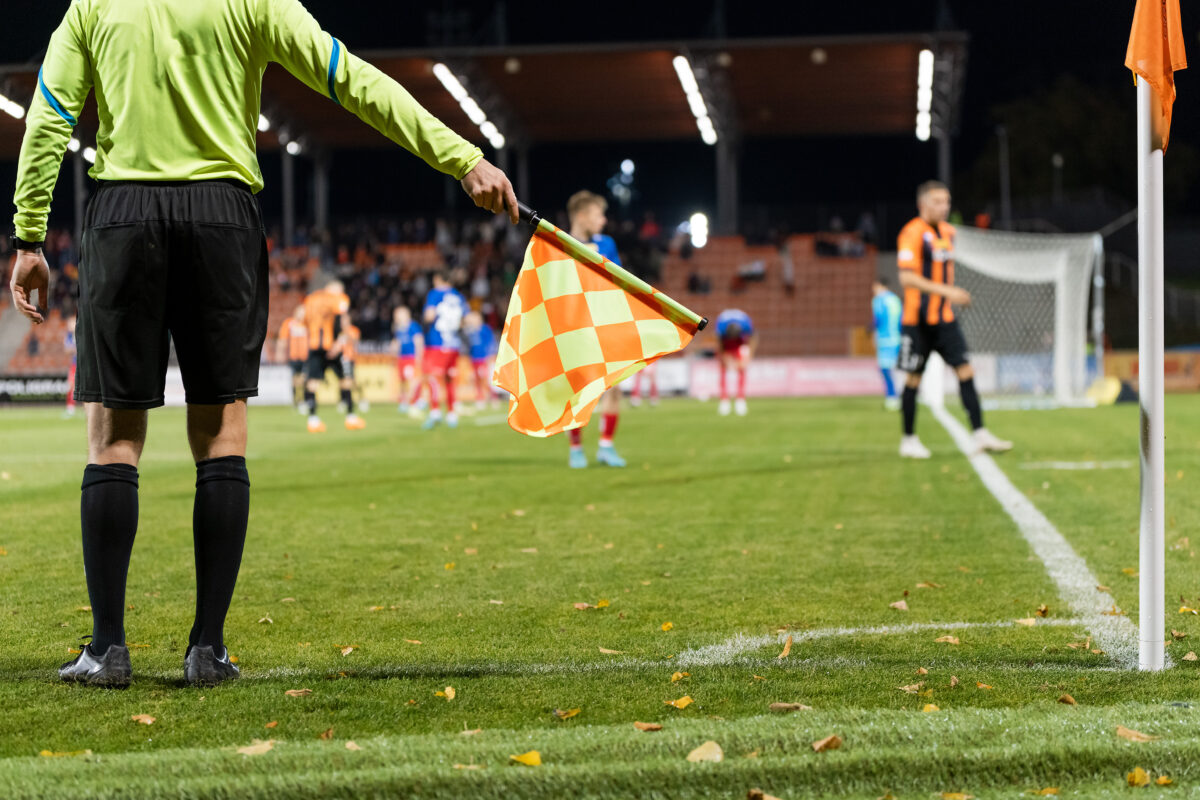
445	309
481	341
586	212
735	333
408	344
69	346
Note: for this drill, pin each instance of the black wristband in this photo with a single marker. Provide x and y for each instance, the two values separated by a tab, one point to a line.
20	244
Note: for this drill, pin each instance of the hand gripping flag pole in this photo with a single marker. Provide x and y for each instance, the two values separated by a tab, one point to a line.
577	325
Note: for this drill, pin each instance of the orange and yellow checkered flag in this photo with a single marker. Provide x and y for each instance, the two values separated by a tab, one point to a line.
577	324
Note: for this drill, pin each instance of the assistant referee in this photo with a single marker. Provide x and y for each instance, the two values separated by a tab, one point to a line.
173	247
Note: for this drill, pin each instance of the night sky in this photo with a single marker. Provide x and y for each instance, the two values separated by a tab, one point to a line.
1018	49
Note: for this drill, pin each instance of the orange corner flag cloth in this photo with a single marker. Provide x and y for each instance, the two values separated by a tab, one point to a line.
578	324
1156	54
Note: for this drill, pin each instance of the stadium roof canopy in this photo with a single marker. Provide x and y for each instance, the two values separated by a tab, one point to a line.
793	87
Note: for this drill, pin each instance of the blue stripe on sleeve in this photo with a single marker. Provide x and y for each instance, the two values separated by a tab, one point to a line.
57	106
334	57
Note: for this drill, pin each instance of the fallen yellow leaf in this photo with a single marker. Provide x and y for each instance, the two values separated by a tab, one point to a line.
1130	571
601	603
982	686
1135	736
783	708
1178	634
447	693
347	650
566	713
1066	699
471	551
709	751
759	794
326	734
352	746
450	565
266	621
912	688
647	726
52	754
413	641
832	742
787	648
531	759
1047	792
582	606
258	748
1043	610
682	702
666	626
1191	656
272	724
1138	777
678	676
899	605
606	651
474	766
947	639
930	707
929	585
957	796
1027	621
470	732
953	681
922	671
1188	610
145	719
298	692
1163	780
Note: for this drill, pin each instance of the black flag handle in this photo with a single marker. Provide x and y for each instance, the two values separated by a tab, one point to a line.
528	214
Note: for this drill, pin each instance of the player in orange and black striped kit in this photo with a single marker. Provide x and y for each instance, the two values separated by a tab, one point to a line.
326	314
926	261
292	344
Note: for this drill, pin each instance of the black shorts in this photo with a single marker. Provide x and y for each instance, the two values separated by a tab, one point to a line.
918	341
185	260
297	365
317	364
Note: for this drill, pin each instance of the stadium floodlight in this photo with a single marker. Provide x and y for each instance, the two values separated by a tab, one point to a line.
469	105
264	124
11	107
89	155
698	225
74	145
691	90
627	167
293	148
924	94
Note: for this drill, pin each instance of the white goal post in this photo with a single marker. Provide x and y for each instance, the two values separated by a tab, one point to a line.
1027	328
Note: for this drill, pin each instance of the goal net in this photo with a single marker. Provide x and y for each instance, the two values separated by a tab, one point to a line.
1028	324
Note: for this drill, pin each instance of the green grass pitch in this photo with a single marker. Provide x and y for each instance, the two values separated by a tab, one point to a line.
454	559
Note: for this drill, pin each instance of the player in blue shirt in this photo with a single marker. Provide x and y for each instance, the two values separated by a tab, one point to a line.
586	213
886	309
408	343
481	342
738	340
444	312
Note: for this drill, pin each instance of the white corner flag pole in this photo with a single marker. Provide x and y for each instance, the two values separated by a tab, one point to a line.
1152	557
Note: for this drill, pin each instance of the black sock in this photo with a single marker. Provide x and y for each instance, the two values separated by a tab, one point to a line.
908	405
348	399
970	401
310	400
219	533
108	512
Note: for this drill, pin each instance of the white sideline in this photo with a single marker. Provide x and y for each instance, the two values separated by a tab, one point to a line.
1117	636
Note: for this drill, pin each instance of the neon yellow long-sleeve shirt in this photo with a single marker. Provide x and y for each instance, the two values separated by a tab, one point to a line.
178	85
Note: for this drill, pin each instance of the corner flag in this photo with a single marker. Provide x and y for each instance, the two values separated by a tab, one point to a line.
578	324
1155	53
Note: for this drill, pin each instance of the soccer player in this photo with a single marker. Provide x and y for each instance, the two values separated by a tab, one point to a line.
69	346
292	346
444	312
409	345
481	341
925	253
345	351
586	213
886	309
173	250
738	341
326	313
650	374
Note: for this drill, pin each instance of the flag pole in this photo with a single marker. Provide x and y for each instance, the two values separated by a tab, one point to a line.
1152	538
581	252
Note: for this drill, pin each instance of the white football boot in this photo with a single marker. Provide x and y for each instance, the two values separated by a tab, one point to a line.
988	443
911	447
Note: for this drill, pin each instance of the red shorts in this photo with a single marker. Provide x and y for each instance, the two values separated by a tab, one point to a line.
736	349
439	361
407	367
